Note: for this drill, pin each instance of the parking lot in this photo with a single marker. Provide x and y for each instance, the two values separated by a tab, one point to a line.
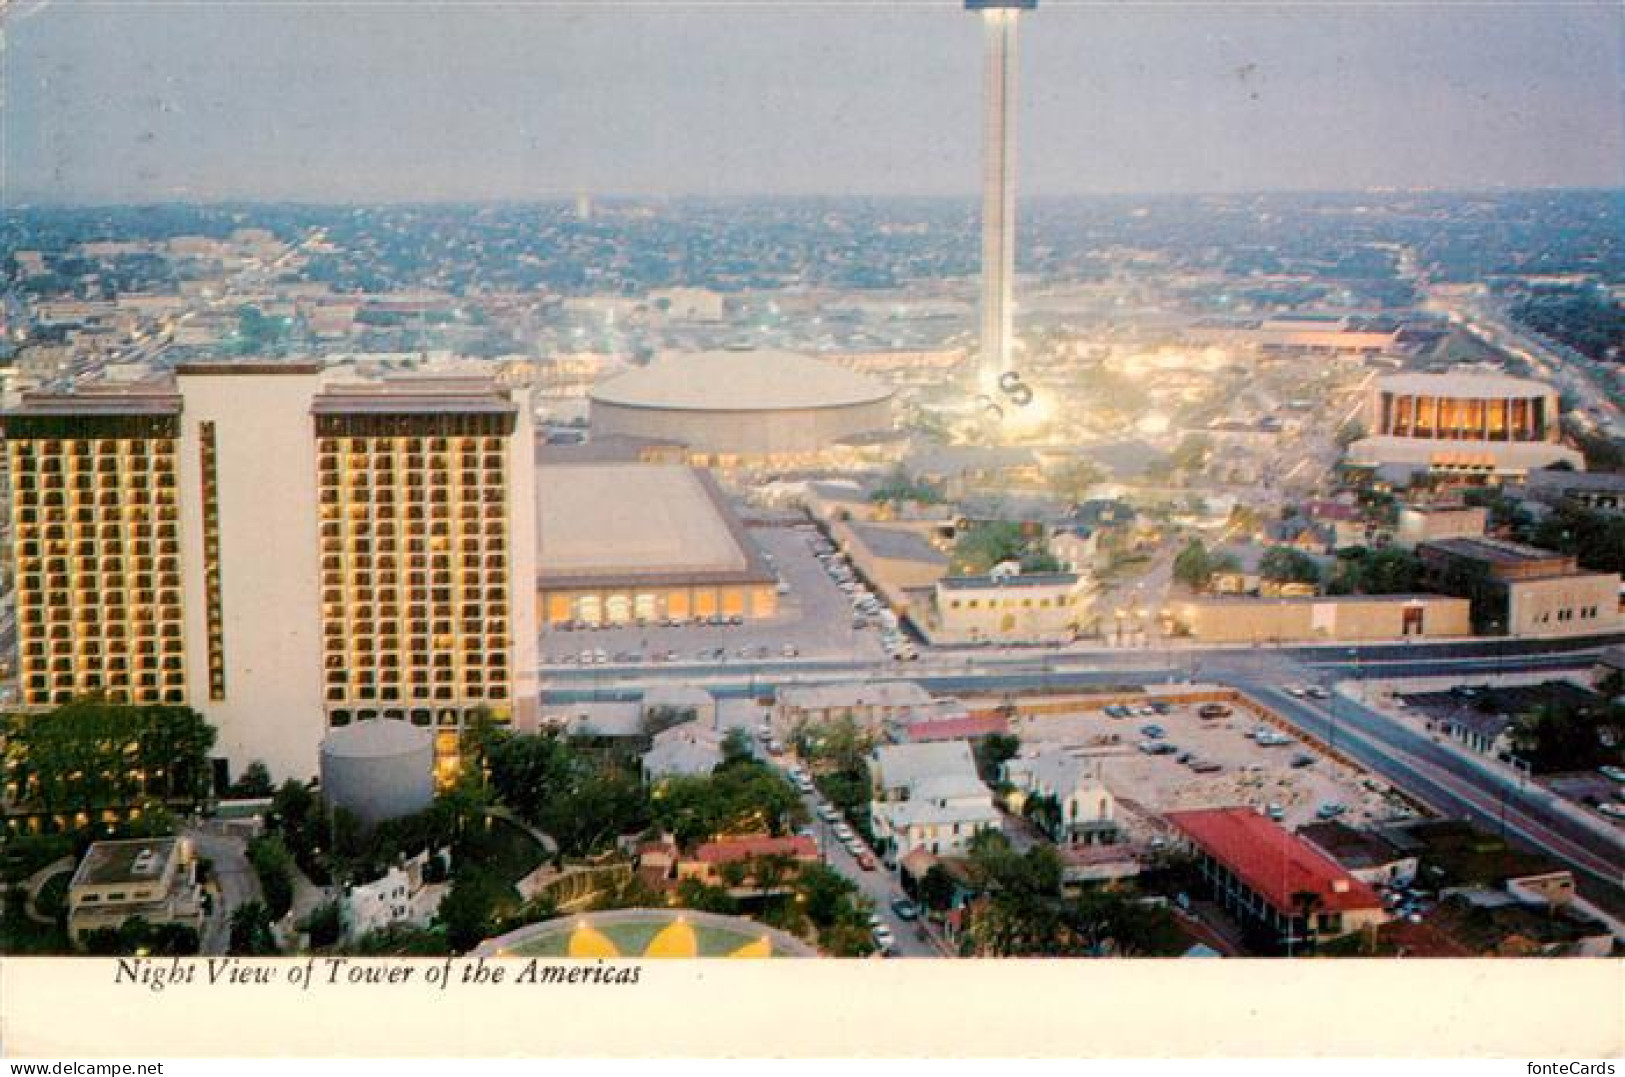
814	621
1239	769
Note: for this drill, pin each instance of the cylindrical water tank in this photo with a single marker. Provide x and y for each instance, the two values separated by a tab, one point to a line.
378	770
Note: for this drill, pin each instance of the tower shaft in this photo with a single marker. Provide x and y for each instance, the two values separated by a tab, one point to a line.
998	190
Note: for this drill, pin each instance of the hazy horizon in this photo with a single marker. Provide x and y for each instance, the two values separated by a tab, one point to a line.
398	103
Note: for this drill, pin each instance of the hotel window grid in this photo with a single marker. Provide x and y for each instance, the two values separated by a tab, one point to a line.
211	561
414	566
98	558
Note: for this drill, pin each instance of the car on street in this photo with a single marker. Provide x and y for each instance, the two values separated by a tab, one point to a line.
1612	810
1615	773
905	909
866	860
885	939
1315	691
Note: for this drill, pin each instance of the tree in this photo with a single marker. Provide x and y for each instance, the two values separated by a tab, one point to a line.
987	544
1073	480
470	907
1193	567
746	798
1283	564
994	751
324	925
1390	571
937	888
90	757
1043	810
255	781
737	747
274	865
251	934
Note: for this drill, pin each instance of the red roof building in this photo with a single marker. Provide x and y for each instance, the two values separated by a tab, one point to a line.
731	849
1285	891
956	728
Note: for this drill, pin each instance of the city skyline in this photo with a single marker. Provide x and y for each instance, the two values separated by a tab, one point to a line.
246	101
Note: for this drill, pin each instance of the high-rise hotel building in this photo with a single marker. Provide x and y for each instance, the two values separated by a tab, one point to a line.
283	547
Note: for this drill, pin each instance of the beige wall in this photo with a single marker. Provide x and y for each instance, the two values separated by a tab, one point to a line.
1563	605
271	630
1015	613
1250	620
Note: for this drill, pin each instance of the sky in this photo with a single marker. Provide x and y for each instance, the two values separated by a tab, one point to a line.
390	101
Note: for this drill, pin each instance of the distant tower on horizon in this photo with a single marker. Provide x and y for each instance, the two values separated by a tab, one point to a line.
999	23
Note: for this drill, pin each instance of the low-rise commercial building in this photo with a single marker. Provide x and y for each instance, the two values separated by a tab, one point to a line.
1431	523
1523	591
623	543
1346	618
1285	893
151	878
871	704
1011	607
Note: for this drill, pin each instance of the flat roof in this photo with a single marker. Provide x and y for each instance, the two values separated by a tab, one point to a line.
1472	386
603	523
993	583
109	863
1273	863
1498	551
729	380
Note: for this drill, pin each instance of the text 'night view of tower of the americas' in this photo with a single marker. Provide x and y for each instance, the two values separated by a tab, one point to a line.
999	21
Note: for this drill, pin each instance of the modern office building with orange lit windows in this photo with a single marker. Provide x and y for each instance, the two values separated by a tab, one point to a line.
1463	424
283	547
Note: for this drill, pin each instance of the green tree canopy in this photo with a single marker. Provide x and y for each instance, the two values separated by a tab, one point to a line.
1283	564
90	756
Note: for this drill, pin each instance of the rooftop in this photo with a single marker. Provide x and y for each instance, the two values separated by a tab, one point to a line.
897	544
755	380
732	849
1354	849
1473	386
993	583
1498	551
619	521
1273	863
855	694
109	863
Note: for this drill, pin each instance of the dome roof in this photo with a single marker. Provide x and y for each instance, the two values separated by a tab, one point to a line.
378	739
740	380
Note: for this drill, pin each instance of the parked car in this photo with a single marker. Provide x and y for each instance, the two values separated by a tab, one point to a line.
905	909
1330	810
1616	773
1206	766
1315	691
1213	710
1275	812
1303	759
866	860
1612	810
1155	732
884	938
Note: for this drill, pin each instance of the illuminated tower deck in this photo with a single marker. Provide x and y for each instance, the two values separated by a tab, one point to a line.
999	22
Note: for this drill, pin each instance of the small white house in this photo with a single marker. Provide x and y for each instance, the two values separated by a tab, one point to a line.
400	897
